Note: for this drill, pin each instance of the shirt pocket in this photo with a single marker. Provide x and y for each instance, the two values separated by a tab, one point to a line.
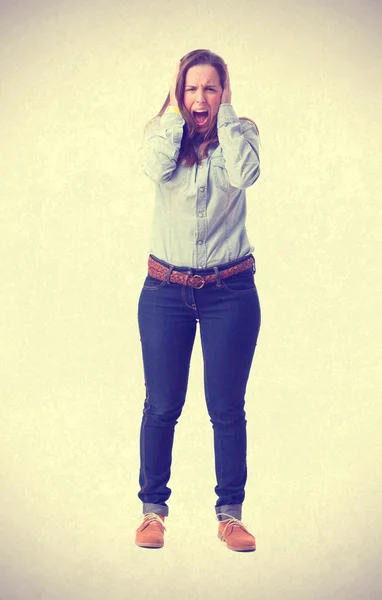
220	175
178	178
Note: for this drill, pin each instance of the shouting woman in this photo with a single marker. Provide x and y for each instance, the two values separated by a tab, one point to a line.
201	158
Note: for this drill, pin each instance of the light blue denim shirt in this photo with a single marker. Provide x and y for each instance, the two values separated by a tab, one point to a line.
200	211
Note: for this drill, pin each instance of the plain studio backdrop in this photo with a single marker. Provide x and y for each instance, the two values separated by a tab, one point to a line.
79	81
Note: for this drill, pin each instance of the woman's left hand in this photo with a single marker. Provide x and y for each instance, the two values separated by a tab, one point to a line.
227	94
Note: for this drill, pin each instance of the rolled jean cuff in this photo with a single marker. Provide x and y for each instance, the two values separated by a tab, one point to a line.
159	509
233	510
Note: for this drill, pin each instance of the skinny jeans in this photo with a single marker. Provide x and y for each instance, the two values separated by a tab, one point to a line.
228	313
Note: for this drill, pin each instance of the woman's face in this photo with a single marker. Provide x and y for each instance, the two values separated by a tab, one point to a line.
202	95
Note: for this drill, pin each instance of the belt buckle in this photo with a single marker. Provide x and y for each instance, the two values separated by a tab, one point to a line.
196	281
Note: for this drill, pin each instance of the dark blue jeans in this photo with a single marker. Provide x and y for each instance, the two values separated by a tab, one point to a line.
228	313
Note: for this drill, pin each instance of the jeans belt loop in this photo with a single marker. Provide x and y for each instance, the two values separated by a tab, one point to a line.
218	280
170	270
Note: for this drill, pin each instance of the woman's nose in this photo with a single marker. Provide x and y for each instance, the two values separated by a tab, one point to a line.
200	95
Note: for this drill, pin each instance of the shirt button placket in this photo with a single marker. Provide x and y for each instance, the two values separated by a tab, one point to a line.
201	224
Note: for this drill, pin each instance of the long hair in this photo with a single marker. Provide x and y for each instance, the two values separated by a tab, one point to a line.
188	153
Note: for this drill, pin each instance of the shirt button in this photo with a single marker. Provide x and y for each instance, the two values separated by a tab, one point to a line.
200	242
200	267
202	189
201	214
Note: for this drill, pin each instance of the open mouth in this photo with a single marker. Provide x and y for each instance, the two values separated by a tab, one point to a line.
201	117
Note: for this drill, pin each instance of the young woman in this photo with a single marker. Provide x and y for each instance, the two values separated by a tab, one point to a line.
201	157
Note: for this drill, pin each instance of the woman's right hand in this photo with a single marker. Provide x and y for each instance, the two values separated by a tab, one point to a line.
173	100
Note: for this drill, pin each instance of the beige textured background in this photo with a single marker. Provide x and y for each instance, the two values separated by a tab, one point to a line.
79	80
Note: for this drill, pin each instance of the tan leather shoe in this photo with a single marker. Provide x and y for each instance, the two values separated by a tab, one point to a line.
235	535
150	534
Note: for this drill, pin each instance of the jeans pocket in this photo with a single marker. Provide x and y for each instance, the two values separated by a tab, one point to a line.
241	283
152	284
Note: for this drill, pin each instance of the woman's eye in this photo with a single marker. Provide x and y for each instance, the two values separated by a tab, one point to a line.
193	89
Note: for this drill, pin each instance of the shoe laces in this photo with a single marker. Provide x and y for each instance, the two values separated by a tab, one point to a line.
232	521
151	517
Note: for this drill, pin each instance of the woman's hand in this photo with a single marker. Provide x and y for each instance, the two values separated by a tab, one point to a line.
173	100
227	94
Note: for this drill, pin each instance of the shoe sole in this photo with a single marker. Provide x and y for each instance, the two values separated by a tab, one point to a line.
234	548
241	549
148	545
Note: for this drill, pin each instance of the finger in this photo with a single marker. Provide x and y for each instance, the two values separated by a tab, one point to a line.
175	75
227	75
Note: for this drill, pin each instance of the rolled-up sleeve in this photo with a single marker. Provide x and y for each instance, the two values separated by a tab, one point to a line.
161	146
239	141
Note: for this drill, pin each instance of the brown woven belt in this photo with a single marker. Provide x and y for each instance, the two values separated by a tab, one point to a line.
160	272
